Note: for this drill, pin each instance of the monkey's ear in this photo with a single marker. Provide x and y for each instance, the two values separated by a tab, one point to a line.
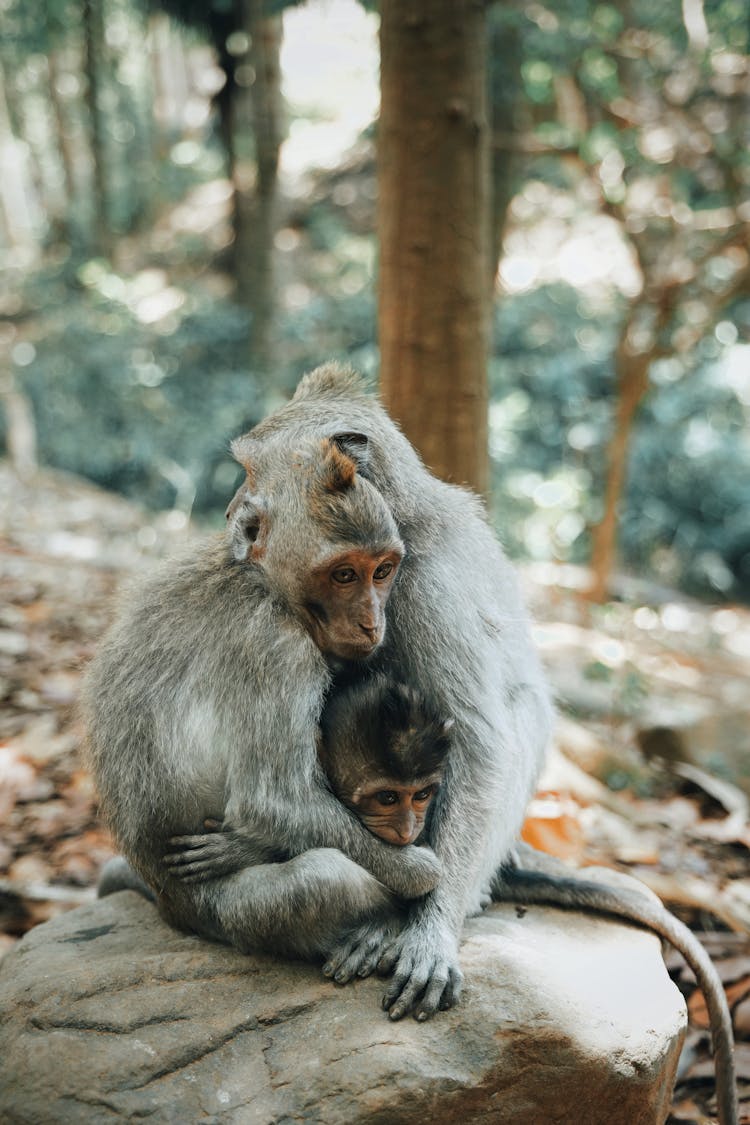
337	471
245	524
356	447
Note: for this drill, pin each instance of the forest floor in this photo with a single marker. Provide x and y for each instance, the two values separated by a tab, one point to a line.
650	773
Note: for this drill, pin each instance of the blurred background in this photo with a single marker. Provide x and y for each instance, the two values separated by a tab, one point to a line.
188	223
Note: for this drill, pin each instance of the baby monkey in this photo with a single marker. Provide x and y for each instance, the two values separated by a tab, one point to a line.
383	750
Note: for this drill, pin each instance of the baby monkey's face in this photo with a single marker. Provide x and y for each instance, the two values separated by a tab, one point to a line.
394	811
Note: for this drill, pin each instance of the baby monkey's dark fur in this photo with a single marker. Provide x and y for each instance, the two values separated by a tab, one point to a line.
381	728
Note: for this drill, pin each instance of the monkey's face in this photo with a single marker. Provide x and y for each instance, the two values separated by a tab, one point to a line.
325	540
344	603
393	811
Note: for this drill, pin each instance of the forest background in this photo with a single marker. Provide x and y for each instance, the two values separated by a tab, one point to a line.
188	223
187	217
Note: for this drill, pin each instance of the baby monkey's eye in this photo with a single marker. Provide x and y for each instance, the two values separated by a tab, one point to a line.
425	794
387	797
344	575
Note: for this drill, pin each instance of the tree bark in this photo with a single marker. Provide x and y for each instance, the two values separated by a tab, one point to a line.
632	380
505	91
67	157
434	230
93	24
20	427
256	212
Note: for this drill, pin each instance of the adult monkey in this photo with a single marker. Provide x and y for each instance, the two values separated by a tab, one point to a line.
206	699
458	633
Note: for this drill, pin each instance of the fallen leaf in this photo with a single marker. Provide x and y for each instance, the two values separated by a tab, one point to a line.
553	826
698	1012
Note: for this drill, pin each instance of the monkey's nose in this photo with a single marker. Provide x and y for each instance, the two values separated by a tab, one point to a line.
405	829
370	631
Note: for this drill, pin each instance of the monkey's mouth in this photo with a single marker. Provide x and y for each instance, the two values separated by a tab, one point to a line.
353	650
340	642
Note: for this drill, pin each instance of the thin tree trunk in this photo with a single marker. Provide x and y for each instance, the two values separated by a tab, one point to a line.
20	427
433	226
16	190
257	211
632	380
64	145
93	23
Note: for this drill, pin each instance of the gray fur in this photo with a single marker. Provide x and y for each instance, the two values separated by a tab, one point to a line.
205	700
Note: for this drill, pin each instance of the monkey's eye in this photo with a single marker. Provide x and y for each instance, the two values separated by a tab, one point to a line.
424	794
387	797
344	575
383	571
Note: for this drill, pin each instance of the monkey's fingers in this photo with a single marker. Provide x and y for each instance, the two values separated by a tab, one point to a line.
211	840
360	962
452	990
369	962
343	963
199	871
405	991
388	958
209	856
424	984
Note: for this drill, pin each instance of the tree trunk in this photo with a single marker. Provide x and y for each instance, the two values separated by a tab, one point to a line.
505	90
65	148
434	226
20	429
16	190
256	212
93	24
632	380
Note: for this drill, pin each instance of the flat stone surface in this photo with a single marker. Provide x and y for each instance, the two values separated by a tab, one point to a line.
108	1014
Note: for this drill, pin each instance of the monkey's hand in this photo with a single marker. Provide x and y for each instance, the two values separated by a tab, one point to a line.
195	859
412	871
426	975
358	952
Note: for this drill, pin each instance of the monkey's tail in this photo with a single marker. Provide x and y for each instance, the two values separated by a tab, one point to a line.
518	885
118	875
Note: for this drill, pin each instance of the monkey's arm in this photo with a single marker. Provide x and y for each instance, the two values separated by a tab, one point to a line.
296	806
224	850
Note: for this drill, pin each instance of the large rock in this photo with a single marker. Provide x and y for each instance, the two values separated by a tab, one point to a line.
109	1014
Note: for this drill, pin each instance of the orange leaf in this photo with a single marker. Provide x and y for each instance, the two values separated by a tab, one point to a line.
553	826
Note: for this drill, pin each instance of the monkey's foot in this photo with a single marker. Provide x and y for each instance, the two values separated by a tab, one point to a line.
426	973
360	950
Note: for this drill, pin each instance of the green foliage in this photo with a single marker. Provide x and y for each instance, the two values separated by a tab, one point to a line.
126	405
686	513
